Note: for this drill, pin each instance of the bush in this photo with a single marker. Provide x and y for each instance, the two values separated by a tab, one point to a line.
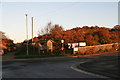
81	53
56	52
23	50
69	51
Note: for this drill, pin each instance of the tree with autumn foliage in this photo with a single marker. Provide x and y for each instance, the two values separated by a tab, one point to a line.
56	34
104	36
93	35
6	43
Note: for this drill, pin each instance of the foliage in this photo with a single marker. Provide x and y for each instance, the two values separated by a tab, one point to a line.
93	35
6	43
116	28
23	50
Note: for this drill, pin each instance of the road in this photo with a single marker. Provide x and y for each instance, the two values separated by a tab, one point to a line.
59	67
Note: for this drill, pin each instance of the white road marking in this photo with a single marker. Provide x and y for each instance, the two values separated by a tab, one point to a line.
89	73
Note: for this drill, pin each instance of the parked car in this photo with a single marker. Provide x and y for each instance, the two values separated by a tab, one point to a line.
1	52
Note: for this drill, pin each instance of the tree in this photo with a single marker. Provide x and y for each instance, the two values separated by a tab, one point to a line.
104	36
46	30
85	27
117	27
56	32
2	35
5	42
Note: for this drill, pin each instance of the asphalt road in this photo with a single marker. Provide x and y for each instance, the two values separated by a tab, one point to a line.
61	67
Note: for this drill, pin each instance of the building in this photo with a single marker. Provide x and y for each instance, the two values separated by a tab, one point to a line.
45	46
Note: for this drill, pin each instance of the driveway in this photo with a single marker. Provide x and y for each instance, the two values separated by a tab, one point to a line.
59	67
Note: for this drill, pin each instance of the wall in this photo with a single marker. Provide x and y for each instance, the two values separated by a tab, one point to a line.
96	48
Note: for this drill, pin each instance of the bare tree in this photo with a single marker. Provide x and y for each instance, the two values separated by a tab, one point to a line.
46	30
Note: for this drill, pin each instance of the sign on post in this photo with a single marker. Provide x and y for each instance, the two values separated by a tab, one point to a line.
82	44
75	50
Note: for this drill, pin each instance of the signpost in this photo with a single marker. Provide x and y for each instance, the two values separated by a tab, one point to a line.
81	44
75	50
62	41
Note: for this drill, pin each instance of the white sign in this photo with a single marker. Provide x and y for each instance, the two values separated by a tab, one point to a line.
69	45
74	45
75	49
82	43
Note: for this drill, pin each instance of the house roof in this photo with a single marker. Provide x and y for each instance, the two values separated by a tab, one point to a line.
44	41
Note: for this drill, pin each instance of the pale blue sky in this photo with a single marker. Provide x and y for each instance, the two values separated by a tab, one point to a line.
66	14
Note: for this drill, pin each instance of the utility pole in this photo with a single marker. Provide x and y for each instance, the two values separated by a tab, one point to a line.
32	28
27	31
33	34
26	26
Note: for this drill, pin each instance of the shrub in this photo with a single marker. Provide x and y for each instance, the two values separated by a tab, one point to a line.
68	51
23	50
57	52
81	53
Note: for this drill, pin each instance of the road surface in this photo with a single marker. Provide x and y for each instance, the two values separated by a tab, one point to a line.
59	67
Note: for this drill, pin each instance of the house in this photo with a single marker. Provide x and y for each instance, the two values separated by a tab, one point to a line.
45	46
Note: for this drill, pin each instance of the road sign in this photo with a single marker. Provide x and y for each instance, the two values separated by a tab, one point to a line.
62	48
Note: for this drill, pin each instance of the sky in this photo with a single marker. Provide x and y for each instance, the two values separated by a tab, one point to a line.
67	14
